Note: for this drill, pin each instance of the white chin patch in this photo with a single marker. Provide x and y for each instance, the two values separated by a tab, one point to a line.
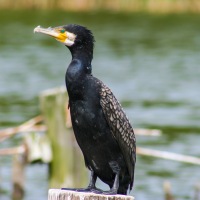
70	39
68	42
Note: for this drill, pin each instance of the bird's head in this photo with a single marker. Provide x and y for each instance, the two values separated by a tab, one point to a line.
71	35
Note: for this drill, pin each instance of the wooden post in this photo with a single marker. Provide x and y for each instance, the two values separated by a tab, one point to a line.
197	192
66	163
18	176
167	191
55	194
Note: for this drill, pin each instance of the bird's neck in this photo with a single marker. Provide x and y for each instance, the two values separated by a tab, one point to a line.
84	55
85	62
77	73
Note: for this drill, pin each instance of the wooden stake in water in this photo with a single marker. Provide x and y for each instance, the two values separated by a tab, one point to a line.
55	194
67	168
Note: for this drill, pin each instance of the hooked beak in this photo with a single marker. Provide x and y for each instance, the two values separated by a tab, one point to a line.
59	33
48	31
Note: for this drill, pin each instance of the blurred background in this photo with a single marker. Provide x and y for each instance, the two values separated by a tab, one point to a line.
146	51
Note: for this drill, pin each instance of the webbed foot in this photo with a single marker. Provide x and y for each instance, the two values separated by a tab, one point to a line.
110	192
78	189
96	191
99	191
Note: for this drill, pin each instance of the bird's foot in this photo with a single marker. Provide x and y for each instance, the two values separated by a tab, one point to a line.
93	190
110	192
99	191
78	189
96	191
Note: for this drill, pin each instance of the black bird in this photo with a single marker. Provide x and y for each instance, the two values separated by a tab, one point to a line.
100	125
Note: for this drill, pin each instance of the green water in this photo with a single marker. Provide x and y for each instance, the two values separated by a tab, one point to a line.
152	64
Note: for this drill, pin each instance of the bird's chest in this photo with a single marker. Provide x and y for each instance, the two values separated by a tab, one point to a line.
86	120
93	136
83	116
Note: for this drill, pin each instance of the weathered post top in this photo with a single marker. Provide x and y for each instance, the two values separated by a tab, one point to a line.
58	194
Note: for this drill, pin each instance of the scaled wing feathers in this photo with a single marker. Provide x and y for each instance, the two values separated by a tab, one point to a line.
120	127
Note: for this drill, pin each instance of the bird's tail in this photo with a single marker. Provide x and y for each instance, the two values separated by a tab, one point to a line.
122	190
125	185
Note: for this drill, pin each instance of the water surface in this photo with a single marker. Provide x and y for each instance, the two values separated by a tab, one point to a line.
151	62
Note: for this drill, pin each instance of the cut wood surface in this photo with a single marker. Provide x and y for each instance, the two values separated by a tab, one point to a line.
58	194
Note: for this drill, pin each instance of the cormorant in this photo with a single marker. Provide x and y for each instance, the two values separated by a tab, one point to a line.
100	125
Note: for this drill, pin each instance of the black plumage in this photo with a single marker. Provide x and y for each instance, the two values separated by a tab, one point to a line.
100	125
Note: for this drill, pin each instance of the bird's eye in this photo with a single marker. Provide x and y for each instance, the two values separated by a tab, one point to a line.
62	31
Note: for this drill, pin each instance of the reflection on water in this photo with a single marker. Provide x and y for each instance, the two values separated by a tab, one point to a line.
151	62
